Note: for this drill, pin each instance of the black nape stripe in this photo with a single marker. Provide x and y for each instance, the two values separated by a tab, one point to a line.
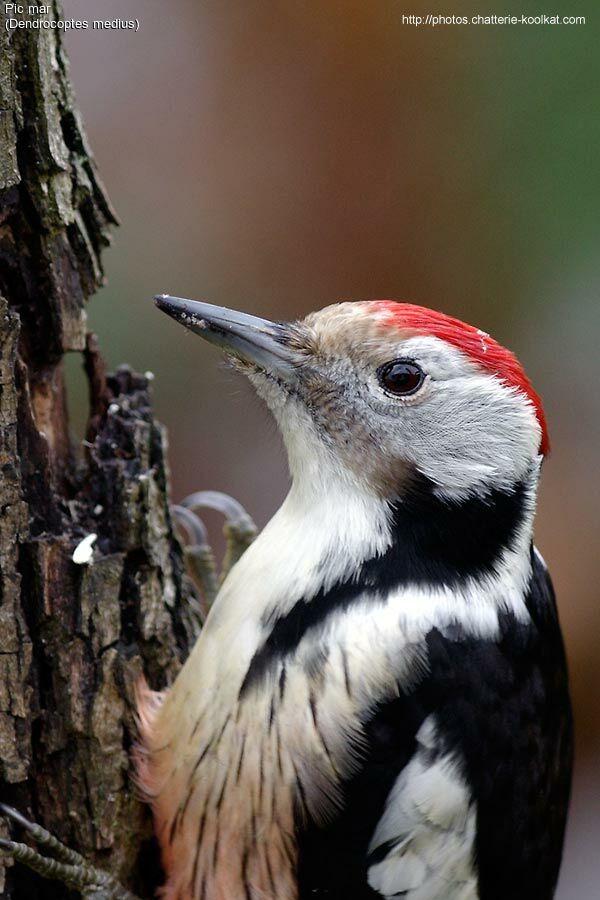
435	543
439	542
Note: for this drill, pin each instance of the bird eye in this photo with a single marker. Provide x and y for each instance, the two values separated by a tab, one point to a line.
400	377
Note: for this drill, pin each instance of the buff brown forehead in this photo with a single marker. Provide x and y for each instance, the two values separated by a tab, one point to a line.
337	328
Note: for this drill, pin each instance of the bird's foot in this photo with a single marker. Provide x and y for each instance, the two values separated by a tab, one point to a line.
239	531
62	863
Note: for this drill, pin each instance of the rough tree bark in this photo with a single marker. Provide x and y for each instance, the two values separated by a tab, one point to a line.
73	638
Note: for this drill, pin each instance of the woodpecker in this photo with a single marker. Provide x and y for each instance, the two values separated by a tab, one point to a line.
377	705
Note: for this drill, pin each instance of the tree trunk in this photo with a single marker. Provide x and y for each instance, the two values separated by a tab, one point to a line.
74	639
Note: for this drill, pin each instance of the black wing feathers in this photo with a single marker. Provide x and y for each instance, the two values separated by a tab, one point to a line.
502	710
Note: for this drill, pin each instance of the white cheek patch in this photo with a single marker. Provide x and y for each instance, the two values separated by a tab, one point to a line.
466	430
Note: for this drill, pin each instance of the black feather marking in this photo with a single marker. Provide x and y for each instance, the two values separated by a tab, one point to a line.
245	861
188	797
502	710
271	713
288	845
196	725
222	731
282	680
215	855
380	852
270	875
301	793
315	662
261	780
313	710
278	748
435	543
240	760
191	788
238	713
346	671
197	857
312	702
176	821
200	759
219	802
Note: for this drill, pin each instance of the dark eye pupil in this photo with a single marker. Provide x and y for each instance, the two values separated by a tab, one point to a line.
401	378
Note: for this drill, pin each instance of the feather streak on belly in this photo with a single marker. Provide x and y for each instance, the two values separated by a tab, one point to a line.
225	816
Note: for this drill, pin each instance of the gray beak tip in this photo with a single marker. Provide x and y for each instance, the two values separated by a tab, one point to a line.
166	303
249	338
186	312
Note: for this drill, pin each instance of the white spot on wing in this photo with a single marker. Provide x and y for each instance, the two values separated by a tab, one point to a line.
428	824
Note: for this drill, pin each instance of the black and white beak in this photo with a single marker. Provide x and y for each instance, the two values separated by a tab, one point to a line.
252	340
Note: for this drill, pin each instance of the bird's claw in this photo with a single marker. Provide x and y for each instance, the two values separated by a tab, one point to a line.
63	864
239	531
239	528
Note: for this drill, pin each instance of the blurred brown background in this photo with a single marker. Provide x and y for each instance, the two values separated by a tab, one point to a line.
277	157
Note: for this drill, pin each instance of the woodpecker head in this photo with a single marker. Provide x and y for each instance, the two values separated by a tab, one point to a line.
376	392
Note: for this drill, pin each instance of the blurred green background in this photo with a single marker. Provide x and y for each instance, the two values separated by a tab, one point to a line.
277	157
